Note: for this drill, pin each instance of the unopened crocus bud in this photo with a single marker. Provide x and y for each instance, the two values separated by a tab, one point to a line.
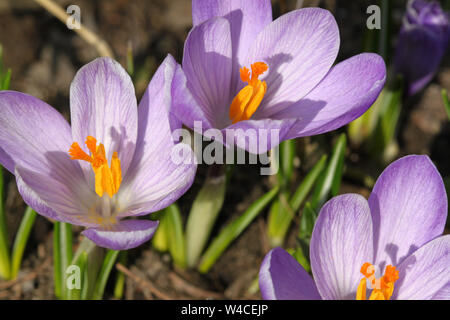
422	43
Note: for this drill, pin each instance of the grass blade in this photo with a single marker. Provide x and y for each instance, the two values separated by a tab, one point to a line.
446	102
62	256
305	187
174	229
287	155
80	265
120	279
202	217
233	230
21	240
105	271
160	240
5	261
330	175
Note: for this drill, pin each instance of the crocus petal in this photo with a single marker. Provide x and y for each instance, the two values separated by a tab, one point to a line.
36	138
246	17
418	56
341	243
348	90
425	274
300	47
409	208
162	169
207	63
281	277
185	106
443	294
53	198
103	105
127	234
258	136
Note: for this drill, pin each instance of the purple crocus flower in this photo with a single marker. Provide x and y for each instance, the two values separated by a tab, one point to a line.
422	43
397	233
125	169
245	71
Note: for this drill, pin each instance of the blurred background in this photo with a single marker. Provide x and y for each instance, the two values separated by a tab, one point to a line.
44	56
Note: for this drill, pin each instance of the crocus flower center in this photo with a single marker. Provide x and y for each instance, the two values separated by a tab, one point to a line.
107	179
247	101
382	288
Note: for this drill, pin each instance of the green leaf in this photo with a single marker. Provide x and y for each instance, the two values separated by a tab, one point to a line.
230	232
302	259
105	271
82	264
307	221
5	80
5	261
446	102
174	229
287	155
21	240
390	109
160	240
305	187
95	258
331	177
202	217
282	212
120	279
62	256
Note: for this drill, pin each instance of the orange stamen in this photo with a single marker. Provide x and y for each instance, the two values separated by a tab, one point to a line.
247	101
382	288
107	180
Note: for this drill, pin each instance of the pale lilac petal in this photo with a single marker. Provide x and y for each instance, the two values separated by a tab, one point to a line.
349	89
157	177
127	234
281	277
247	19
36	138
103	105
425	274
300	47
258	136
208	67
53	198
184	105
443	294
341	243
409	208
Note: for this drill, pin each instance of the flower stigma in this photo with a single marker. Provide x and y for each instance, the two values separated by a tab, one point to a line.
247	101
107	179
383	287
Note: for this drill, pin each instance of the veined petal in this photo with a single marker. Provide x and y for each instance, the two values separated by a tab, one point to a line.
157	177
346	92
247	19
35	138
425	274
185	106
127	234
207	64
281	277
103	105
409	208
258	136
300	47
53	198
341	243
